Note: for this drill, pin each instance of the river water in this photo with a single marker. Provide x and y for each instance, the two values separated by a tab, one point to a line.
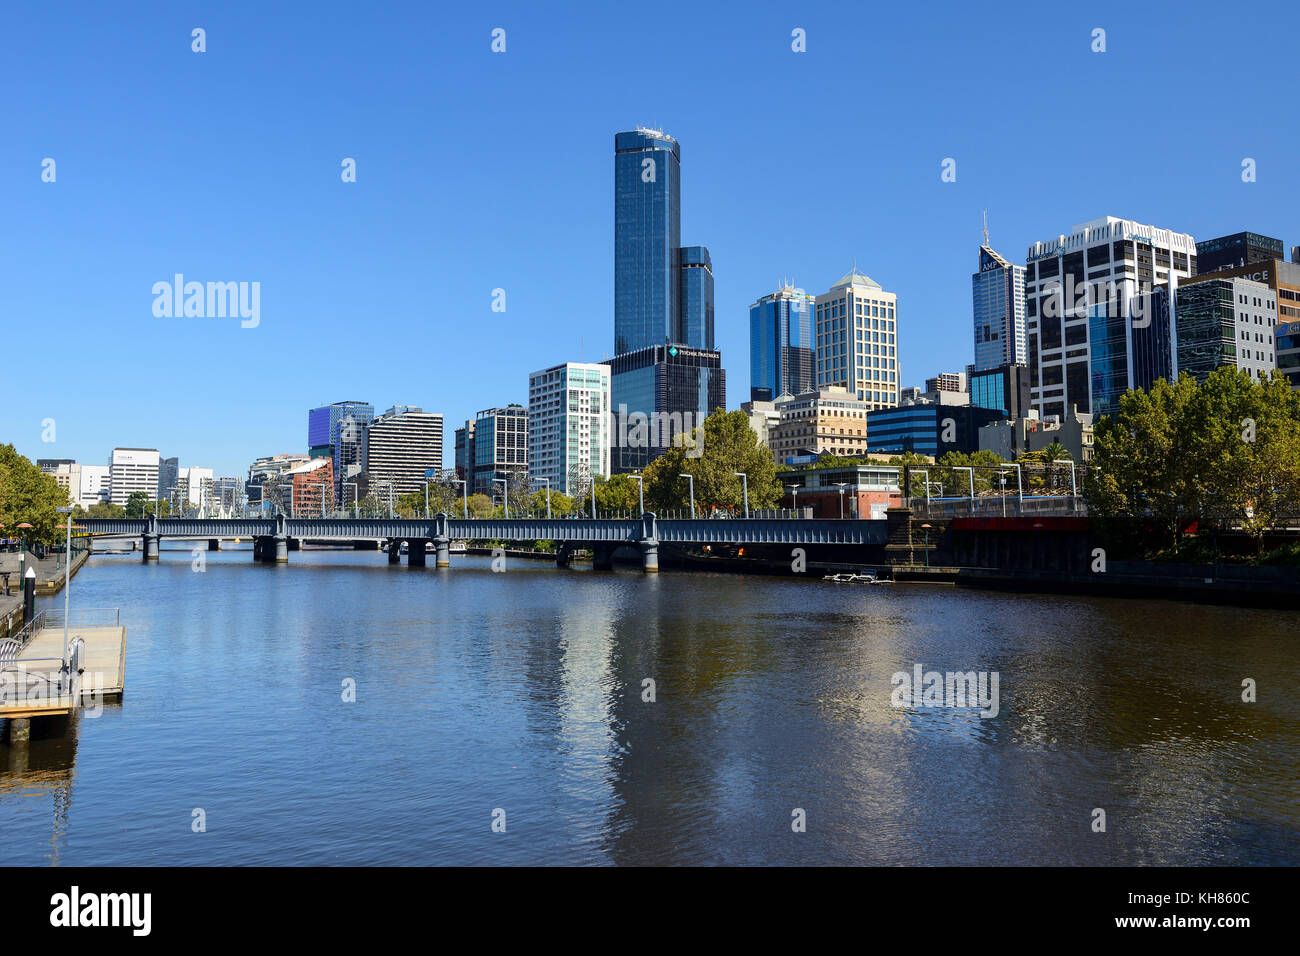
518	697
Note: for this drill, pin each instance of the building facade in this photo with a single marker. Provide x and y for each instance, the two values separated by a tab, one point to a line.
500	448
998	298
1084	295
695	295
1004	389
131	470
856	332
338	431
1224	321
401	445
647	239
1239	249
927	429
830	421
465	452
856	491
782	360
656	395
569	425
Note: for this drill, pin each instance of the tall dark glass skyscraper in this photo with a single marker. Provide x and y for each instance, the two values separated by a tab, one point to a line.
647	239
665	365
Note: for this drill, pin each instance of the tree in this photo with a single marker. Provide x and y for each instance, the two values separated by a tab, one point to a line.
725	444
29	495
617	493
480	505
561	504
137	504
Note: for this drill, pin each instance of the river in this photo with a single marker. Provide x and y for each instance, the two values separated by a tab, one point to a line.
518	698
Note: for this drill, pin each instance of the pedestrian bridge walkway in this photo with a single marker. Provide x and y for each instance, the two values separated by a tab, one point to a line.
46	672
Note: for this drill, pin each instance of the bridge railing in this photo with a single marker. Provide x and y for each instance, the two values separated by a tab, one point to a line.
996	506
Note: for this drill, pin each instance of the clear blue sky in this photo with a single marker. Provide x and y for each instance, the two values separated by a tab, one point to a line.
479	170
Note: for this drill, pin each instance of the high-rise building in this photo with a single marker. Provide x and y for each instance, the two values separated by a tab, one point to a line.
647	240
131	470
1004	389
465	453
695	329
1239	249
500	448
1224	320
309	488
95	484
947	382
338	431
781	357
569	425
66	474
1084	297
927	429
658	393
998	296
856	340
263	476
401	445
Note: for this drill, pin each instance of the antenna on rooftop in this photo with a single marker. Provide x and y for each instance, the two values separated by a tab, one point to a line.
986	227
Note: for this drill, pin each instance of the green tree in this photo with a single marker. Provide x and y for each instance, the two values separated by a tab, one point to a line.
29	495
725	444
618	493
561	504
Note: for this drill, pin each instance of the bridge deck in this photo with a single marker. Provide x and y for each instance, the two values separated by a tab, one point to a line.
104	672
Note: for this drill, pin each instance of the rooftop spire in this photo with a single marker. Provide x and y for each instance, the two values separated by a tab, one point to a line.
986	227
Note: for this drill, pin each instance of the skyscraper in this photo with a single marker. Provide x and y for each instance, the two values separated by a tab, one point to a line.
568	424
856	340
647	239
998	294
1239	249
1087	299
500	448
338	431
665	365
781	359
401	445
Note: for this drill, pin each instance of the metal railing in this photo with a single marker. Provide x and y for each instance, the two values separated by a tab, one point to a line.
998	506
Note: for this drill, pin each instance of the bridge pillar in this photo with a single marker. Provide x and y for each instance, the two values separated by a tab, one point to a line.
394	552
415	552
563	556
281	549
602	557
214	544
442	549
650	555
20	729
151	547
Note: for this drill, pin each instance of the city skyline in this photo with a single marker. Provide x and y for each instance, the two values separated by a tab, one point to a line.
222	216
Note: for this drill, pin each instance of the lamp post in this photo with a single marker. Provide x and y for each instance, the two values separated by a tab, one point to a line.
464	495
548	497
842	485
1074	491
505	492
1002	482
794	494
927	543
67	581
691	480
744	482
640	491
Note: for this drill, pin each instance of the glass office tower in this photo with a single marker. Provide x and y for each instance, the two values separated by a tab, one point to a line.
340	428
781	357
998	291
647	239
696	298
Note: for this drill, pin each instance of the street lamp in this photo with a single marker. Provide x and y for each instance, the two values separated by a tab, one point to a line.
794	493
640	491
67	580
744	480
505	493
548	497
464	494
842	485
691	480
927	544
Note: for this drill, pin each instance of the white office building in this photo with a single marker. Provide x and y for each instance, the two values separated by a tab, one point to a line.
401	445
569	425
131	470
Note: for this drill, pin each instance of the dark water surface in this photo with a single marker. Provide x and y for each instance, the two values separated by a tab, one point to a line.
523	691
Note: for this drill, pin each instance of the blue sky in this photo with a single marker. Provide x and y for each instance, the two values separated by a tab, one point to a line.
478	170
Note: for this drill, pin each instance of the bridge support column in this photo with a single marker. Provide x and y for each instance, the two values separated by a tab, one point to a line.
415	552
151	547
602	557
563	556
394	552
281	549
20	730
214	544
442	550
650	555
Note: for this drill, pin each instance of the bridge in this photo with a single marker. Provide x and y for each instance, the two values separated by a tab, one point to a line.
271	536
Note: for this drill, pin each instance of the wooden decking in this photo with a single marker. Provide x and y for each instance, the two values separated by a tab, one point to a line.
103	671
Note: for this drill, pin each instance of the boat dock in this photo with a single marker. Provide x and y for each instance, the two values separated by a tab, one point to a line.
46	671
